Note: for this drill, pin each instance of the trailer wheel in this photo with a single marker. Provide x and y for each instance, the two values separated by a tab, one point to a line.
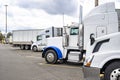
34	48
51	57
22	47
112	72
27	47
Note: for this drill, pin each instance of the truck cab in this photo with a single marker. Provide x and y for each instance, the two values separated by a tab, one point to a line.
42	38
39	44
69	49
103	55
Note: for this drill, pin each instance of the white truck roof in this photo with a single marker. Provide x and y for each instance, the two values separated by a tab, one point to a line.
104	8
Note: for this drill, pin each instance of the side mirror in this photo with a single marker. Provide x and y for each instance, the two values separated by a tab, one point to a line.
32	42
92	39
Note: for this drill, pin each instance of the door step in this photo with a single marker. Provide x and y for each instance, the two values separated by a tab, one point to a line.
74	56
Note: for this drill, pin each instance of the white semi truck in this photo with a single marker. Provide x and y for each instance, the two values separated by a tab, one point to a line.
102	20
103	56
24	38
52	53
44	35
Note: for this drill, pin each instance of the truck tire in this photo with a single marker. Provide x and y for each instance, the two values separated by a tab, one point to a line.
22	47
27	47
112	72
34	48
51	57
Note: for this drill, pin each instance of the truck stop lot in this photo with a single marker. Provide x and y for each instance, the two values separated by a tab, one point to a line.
16	64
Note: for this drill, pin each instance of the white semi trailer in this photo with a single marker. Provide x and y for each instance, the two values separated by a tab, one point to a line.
103	54
43	37
24	38
101	21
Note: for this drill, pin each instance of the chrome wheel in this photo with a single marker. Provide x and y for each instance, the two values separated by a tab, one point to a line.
50	57
115	75
34	48
112	72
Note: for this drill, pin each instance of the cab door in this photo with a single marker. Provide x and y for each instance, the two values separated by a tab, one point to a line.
73	37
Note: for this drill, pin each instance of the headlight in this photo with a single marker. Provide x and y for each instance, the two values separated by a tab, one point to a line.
89	60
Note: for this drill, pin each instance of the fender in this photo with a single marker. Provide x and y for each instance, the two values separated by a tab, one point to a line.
57	50
109	59
104	57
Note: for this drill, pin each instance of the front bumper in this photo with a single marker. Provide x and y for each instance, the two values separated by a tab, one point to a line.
91	73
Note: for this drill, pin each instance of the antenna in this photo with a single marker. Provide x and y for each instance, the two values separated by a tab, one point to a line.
63	19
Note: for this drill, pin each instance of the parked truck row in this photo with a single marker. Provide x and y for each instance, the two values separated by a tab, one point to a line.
96	38
98	22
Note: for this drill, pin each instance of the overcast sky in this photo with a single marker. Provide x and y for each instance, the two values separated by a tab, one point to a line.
37	14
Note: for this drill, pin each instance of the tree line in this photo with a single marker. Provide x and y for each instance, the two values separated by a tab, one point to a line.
2	36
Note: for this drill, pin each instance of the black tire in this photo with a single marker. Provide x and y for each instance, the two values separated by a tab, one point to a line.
51	57
113	71
22	47
34	48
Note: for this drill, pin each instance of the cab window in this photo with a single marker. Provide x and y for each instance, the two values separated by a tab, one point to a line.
39	37
74	31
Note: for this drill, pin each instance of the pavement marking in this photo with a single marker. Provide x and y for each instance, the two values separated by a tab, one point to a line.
63	66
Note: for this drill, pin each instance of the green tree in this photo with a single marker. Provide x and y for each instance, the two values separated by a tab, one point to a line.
1	36
9	34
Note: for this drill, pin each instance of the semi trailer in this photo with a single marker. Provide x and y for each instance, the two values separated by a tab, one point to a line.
24	38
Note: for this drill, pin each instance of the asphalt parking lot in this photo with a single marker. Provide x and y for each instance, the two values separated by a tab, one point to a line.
16	64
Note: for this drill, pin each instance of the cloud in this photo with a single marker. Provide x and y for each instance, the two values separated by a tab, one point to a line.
37	14
54	7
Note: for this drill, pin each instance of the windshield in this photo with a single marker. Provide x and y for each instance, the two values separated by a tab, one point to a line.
74	31
39	37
